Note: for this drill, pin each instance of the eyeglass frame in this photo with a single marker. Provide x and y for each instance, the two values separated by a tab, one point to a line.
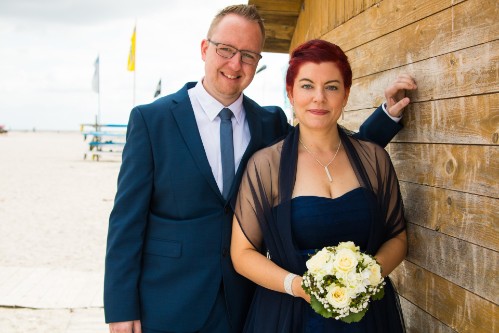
258	56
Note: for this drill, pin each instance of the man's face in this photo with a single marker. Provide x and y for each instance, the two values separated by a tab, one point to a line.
225	79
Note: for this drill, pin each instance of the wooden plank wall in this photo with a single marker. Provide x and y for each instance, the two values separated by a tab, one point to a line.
447	157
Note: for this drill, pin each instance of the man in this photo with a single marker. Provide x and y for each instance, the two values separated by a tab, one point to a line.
168	266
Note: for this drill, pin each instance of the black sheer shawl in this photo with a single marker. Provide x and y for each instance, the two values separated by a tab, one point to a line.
263	210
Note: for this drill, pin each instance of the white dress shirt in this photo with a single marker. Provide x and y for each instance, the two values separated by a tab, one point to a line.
206	109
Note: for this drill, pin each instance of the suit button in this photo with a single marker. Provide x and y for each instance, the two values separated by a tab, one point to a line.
225	252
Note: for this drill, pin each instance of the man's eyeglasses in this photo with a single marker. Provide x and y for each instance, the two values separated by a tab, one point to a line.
227	51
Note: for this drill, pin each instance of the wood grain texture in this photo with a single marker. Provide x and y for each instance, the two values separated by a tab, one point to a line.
352	119
467	217
280	18
438	34
454	306
472	71
381	18
349	9
472	267
465	168
418	321
470	120
340	12
325	16
463	120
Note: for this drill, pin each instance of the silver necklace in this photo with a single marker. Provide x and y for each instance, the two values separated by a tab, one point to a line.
324	166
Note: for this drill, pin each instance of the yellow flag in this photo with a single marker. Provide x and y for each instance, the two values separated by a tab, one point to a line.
131	56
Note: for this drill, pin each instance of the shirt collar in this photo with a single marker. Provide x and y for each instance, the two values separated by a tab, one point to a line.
211	107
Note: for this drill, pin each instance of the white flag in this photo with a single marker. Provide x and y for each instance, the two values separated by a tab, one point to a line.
95	80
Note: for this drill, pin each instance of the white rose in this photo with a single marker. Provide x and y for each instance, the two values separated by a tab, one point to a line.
375	274
348	245
317	263
337	296
345	260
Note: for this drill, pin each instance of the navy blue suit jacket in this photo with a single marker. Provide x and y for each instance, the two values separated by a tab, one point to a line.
170	228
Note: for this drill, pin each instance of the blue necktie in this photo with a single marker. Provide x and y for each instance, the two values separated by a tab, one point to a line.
227	149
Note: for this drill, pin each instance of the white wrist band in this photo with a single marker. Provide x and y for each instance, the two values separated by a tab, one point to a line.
288	282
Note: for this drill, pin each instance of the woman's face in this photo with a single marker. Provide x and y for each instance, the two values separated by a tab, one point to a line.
318	95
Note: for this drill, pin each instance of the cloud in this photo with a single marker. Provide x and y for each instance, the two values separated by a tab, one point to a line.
83	12
48	49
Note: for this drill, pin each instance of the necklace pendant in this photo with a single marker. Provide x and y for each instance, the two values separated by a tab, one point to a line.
328	174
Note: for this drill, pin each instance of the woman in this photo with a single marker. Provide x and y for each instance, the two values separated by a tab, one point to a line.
317	187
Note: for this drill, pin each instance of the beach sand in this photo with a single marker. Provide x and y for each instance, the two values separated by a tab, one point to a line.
54	209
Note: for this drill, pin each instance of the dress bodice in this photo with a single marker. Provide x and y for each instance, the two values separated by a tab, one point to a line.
318	221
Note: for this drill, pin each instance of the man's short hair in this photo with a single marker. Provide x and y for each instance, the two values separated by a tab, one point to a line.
249	12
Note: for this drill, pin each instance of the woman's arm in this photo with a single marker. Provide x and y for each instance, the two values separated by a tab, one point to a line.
253	265
392	253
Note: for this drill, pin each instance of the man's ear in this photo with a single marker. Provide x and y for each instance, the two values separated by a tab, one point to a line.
204	48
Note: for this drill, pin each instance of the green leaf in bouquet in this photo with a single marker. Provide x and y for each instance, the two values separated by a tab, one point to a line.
379	295
319	308
354	317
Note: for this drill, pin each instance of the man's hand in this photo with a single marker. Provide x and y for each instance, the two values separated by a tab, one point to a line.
395	94
125	327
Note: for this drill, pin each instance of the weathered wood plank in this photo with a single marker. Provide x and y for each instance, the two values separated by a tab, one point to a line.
468	217
340	12
279	27
447	31
381	19
315	11
19	282
418	321
331	5
325	16
463	120
87	320
470	120
301	32
45	288
472	169
277	5
470	266
349	9
358	7
472	71
456	307
352	119
368	3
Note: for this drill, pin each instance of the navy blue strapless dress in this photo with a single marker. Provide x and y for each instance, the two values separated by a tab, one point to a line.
317	222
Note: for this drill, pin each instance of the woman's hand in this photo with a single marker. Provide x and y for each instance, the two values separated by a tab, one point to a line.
395	94
298	290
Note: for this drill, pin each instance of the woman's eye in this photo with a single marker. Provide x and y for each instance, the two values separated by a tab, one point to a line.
332	88
307	86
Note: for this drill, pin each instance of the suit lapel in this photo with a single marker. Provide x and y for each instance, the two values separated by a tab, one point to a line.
186	122
255	126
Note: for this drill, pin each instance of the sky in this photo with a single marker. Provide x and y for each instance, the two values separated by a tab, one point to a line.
48	49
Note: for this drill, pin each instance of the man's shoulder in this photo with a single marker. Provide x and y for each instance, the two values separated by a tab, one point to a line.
164	103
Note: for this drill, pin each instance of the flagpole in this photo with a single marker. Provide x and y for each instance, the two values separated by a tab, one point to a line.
98	97
96	88
98	107
132	59
134	74
135	62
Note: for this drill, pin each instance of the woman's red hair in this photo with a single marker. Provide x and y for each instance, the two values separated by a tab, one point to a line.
318	51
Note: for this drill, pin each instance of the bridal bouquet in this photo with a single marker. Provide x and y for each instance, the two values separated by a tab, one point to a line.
341	281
